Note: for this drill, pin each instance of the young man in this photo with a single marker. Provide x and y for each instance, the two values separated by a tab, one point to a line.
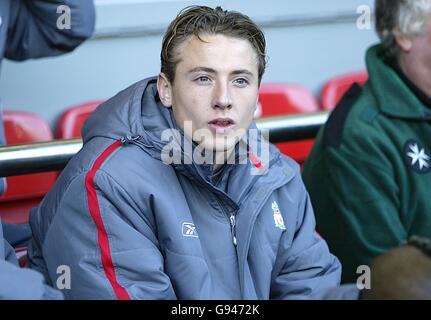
369	174
160	204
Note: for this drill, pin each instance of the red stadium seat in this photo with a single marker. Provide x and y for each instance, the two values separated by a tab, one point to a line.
24	191
335	88
281	99
71	120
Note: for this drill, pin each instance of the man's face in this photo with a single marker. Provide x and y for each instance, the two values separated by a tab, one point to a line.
415	58
215	88
421	48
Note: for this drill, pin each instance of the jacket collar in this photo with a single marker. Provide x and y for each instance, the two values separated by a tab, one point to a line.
394	96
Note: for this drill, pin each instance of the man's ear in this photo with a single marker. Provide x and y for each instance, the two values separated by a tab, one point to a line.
257	110
165	90
405	43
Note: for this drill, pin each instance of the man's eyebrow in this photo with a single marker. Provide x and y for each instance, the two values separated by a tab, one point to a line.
206	69
242	71
210	70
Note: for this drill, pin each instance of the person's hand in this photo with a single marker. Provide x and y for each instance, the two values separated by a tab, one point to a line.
401	273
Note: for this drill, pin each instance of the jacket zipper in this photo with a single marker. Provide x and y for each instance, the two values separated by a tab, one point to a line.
232	222
233	229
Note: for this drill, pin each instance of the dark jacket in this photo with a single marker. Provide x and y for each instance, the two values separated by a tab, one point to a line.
369	173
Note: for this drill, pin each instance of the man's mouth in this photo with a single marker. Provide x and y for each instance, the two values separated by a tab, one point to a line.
221	125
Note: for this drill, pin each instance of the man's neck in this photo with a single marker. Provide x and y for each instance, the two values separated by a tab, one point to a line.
220	158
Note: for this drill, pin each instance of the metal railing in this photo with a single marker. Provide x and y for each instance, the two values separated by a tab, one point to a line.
53	155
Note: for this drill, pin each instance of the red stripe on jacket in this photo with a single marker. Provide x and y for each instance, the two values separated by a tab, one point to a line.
102	236
256	162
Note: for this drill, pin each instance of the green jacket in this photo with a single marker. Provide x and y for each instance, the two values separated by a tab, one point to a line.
369	172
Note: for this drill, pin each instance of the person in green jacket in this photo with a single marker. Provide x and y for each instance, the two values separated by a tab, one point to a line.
369	173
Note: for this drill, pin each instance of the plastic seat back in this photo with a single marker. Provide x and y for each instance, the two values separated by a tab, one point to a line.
72	120
24	191
286	98
334	89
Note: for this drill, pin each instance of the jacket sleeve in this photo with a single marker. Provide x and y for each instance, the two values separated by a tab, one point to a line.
33	30
357	206
106	241
305	267
22	284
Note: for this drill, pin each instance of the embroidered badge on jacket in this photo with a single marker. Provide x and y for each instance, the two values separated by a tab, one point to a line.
278	218
416	156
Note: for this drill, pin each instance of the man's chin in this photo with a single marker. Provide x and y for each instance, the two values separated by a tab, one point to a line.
223	145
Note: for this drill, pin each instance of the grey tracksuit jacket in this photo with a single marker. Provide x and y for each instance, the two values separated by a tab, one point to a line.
130	226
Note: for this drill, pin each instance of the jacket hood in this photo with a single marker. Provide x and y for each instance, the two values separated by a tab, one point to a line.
133	115
134	111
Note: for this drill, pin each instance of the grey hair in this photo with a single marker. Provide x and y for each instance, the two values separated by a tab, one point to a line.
400	18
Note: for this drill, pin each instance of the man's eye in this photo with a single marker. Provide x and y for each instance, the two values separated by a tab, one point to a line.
203	79
241	82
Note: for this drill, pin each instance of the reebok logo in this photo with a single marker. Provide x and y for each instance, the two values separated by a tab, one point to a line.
189	230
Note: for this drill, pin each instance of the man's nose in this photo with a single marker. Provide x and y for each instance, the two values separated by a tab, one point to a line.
222	97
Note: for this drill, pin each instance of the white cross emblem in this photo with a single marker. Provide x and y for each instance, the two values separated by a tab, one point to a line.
418	156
